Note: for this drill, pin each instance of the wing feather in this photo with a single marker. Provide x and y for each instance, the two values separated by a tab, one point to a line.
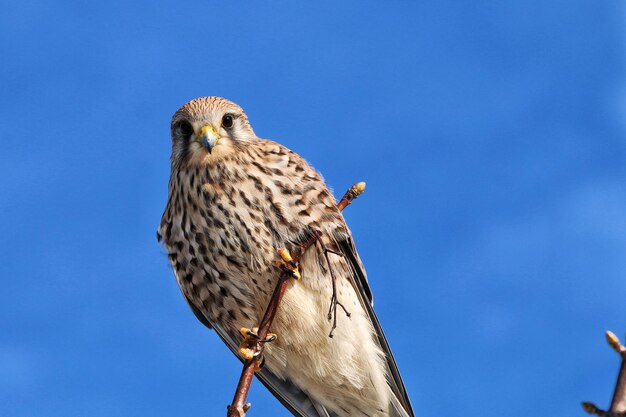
361	284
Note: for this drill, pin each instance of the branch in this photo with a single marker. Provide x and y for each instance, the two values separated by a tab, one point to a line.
254	345
352	193
618	404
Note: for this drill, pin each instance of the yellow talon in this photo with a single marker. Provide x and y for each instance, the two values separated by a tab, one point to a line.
250	348
288	262
245	352
247	333
284	253
247	348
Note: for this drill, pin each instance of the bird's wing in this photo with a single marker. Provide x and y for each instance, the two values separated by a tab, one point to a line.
289	394
359	280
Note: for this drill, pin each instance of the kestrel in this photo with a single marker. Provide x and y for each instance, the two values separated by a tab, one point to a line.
234	199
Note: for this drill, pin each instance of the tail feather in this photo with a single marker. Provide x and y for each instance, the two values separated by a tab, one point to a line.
396	409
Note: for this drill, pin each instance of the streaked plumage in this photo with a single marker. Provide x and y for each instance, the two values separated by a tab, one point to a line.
233	200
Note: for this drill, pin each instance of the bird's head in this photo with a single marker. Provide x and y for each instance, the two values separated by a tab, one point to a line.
206	129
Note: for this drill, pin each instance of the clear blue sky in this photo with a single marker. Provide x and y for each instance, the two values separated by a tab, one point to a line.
492	137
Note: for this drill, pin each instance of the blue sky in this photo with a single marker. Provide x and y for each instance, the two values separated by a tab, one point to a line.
492	136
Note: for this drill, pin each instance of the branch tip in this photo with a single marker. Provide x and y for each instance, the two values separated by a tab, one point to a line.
352	193
591	408
614	342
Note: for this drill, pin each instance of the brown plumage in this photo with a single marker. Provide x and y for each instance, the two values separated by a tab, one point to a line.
233	200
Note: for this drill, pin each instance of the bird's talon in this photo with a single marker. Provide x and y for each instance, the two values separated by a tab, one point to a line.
245	351
287	264
285	256
249	334
250	348
247	348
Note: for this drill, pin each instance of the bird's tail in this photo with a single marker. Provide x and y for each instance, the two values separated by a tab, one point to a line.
396	409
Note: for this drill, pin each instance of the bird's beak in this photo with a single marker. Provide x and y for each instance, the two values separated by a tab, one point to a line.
208	137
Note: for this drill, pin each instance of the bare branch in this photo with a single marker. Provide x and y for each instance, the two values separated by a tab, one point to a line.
618	404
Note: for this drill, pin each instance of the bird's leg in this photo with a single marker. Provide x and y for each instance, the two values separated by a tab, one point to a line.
334	302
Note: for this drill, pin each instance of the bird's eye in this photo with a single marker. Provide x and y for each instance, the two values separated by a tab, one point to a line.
185	128
227	121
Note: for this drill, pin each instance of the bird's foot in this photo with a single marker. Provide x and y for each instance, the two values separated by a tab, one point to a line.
252	344
287	264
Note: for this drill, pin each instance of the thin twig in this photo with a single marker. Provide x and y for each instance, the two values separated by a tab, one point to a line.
352	193
618	404
334	301
239	406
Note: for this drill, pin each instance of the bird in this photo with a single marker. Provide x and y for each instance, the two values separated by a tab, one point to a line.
234	199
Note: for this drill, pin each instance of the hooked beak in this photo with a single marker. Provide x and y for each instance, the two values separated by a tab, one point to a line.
208	137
